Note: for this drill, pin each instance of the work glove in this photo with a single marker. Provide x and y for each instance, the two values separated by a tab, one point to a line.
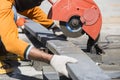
59	63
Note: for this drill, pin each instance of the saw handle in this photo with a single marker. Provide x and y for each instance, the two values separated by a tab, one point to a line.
51	2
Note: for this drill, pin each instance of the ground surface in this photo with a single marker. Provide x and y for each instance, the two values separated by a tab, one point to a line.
110	38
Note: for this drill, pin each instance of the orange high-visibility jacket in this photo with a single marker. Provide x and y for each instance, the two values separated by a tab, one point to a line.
8	28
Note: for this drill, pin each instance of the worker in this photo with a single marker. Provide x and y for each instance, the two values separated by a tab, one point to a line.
12	43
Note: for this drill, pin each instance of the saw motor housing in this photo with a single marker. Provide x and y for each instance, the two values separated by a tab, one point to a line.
90	19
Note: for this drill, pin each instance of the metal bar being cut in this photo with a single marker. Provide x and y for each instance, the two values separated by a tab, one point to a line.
85	69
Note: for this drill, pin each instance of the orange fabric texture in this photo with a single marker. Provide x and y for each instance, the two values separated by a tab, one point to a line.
37	15
8	28
9	31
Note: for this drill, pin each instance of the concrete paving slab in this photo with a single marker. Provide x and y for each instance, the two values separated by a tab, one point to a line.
79	57
50	74
91	72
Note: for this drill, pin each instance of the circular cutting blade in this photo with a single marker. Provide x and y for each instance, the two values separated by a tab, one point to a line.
72	28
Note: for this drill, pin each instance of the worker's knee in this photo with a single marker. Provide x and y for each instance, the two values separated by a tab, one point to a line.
15	46
9	45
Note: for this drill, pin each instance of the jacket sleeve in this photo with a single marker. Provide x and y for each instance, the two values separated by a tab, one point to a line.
9	31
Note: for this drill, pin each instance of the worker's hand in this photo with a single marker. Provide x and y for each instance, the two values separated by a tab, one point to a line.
59	63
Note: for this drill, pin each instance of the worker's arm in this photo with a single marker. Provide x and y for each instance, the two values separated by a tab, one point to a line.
36	54
57	62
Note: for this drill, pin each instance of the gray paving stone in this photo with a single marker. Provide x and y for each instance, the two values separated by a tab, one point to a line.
49	73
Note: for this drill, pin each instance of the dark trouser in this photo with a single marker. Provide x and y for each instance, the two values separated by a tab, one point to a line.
2	49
